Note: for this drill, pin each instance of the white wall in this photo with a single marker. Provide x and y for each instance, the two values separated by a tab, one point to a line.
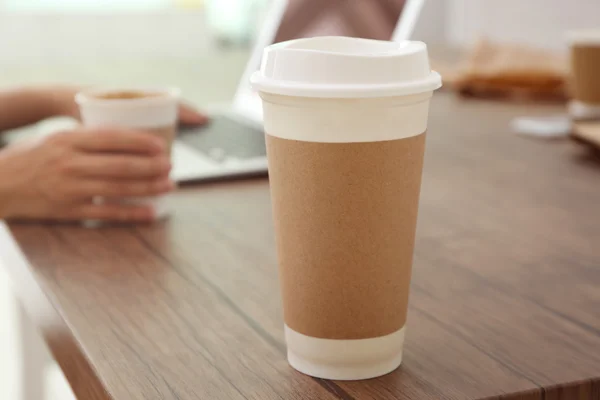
55	38
51	38
432	24
84	5
541	23
537	22
54	30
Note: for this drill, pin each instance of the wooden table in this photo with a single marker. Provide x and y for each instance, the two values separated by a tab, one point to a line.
505	299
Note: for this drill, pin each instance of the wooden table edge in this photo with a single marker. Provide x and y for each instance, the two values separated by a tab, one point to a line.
53	328
79	371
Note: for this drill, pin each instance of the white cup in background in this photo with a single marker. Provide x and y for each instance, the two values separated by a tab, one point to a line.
153	110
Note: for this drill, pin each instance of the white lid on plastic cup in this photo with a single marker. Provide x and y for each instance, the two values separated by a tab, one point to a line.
343	67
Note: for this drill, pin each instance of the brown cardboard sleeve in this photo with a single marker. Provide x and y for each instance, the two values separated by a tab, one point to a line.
585	71
345	217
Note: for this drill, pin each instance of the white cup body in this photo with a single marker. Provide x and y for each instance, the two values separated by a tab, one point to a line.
345	123
345	120
338	122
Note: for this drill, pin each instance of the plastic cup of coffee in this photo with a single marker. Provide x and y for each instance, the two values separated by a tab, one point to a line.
345	123
151	110
585	74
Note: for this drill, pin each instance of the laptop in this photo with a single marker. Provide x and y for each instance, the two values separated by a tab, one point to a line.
233	144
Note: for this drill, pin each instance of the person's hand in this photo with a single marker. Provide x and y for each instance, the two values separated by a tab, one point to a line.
63	104
57	177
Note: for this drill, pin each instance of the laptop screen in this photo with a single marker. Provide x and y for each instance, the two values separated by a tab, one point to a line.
370	19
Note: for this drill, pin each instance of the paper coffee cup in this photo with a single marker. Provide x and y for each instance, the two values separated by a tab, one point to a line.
345	122
152	110
585	74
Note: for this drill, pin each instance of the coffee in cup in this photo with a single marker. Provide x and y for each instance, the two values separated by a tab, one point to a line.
150	110
345	122
128	94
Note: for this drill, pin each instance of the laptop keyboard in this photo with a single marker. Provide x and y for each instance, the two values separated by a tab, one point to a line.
225	137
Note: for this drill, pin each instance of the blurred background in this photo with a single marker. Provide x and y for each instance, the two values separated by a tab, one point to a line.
187	33
193	36
52	30
203	45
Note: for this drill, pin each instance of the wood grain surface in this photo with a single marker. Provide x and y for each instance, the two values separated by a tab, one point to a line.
505	300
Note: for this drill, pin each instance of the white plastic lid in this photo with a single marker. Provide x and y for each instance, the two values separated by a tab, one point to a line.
343	67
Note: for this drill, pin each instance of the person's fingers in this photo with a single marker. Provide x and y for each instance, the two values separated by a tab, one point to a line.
122	166
122	188
190	116
118	140
118	212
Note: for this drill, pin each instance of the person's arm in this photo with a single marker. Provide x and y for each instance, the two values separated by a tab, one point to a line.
27	105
